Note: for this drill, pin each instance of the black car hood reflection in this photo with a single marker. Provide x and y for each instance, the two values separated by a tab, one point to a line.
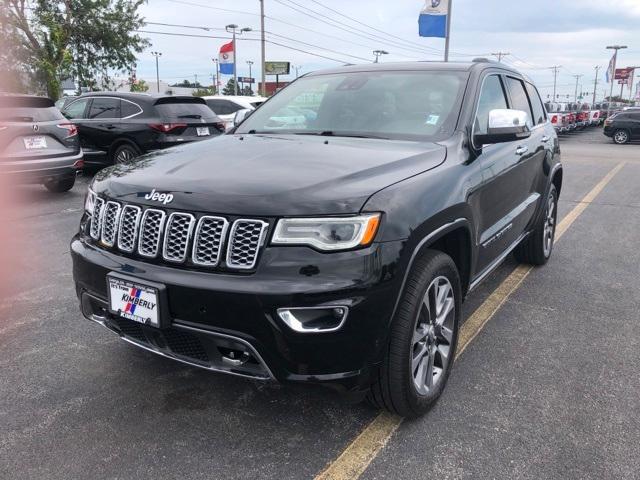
270	175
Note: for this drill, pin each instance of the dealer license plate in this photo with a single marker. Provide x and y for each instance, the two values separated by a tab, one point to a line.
134	301
32	143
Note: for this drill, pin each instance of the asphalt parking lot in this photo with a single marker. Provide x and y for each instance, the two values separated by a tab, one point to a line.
549	388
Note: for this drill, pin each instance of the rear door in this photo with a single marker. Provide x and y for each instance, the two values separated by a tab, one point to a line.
634	121
102	122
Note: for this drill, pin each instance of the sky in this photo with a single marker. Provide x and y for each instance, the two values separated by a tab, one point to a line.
536	34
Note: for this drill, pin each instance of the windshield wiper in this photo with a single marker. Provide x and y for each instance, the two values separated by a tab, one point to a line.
331	133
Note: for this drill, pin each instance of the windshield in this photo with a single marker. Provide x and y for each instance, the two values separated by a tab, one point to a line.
420	105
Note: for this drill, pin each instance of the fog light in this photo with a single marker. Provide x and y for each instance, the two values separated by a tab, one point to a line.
314	319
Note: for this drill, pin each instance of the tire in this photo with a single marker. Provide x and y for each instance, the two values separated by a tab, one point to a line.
61	185
537	247
398	385
124	153
621	137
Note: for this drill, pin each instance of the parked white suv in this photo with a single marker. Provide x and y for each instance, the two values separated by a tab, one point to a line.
226	106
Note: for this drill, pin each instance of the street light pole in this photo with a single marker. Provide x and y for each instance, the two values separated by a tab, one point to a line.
157	54
613	73
249	62
595	85
262	49
216	76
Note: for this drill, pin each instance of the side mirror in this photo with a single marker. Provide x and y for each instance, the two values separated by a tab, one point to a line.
505	125
241	115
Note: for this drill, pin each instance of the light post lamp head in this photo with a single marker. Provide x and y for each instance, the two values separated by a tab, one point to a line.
231	26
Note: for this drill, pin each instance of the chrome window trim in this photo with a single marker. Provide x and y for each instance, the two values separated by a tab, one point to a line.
196	236
261	240
107	118
161	230
475	114
167	236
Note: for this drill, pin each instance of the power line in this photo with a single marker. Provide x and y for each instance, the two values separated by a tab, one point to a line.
243	39
215	8
341	26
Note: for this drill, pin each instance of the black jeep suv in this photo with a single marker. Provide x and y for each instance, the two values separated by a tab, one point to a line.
116	127
623	127
334	247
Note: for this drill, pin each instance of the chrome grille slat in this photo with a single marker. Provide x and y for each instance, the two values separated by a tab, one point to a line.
110	222
128	229
152	224
246	238
208	240
177	236
96	219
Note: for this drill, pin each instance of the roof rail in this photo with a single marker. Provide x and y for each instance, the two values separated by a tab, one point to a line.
481	60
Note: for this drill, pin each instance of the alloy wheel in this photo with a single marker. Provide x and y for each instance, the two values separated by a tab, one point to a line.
621	137
433	336
124	155
549	225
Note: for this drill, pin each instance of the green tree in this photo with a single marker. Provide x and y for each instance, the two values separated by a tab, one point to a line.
203	92
247	91
83	39
229	89
139	86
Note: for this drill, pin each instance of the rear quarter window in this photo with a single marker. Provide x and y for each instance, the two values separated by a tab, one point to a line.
185	110
29	114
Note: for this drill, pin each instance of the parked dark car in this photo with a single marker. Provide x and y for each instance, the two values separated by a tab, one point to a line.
117	127
336	249
37	144
623	127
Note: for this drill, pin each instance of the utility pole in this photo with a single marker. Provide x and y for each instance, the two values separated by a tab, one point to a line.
157	54
448	32
575	96
555	69
233	29
500	55
263	91
613	73
378	53
595	85
249	62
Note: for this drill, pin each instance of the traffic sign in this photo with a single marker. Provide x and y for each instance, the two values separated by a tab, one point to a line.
246	79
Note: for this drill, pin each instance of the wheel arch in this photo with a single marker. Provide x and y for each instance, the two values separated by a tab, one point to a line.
123	141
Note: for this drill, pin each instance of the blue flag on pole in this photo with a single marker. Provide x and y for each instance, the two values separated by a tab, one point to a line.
433	18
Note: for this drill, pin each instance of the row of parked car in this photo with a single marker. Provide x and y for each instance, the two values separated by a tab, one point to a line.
620	121
47	143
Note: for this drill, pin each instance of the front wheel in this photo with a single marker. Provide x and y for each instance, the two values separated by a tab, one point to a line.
60	185
537	247
423	338
621	137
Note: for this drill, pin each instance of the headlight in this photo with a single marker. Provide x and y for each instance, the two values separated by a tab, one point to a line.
89	201
337	233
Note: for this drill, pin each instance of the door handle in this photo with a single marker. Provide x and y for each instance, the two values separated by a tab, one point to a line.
522	149
545	139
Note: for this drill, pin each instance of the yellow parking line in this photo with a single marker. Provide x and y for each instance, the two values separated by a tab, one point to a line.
357	456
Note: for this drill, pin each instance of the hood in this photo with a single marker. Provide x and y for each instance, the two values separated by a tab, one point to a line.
270	175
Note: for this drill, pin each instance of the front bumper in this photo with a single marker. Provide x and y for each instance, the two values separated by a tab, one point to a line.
242	309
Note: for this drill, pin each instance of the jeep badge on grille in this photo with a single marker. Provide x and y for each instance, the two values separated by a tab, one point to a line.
164	198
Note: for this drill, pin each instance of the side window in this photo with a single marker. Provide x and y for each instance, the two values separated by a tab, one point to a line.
223	107
536	104
519	97
491	97
105	108
76	109
128	109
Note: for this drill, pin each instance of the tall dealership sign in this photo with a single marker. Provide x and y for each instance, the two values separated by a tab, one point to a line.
435	21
